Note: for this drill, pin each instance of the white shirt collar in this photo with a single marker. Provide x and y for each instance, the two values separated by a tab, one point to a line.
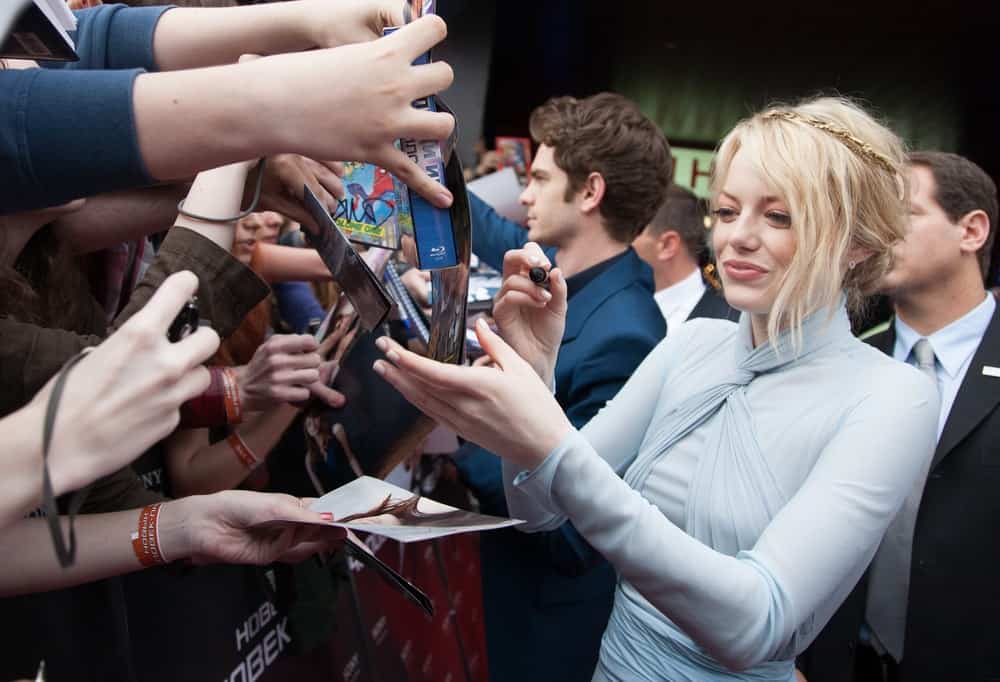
953	344
678	300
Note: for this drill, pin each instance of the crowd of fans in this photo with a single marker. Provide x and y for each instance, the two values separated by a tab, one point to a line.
810	475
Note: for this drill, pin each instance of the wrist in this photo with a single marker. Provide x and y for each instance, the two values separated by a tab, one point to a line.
542	445
26	432
238	375
545	369
69	468
301	23
266	94
174	527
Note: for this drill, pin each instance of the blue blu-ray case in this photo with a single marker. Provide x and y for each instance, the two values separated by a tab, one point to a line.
433	230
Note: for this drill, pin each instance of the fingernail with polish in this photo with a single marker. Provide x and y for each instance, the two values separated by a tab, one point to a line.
326	516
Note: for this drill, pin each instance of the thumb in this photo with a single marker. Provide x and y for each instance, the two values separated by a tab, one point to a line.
495	347
559	291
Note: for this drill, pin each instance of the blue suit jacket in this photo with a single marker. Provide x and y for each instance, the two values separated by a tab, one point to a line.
547	601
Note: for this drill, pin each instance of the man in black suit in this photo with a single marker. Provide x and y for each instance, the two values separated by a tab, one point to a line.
929	606
673	244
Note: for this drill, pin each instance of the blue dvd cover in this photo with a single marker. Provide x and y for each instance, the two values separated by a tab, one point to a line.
432	227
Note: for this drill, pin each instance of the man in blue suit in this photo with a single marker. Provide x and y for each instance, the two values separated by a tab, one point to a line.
601	171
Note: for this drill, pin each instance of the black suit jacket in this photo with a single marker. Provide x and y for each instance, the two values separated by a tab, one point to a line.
712	304
953	617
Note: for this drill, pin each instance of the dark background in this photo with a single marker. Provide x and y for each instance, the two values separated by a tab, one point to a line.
697	67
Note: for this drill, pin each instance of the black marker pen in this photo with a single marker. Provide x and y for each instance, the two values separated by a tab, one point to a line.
539	276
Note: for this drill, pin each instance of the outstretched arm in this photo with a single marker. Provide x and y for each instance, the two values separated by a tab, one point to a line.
116	402
224	527
749	608
188	38
139	128
492	234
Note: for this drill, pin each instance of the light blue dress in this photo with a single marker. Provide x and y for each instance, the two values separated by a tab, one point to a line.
739	492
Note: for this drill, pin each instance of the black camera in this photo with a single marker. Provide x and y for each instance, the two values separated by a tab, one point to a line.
186	321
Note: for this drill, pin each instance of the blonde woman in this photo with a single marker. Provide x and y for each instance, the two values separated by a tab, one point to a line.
741	480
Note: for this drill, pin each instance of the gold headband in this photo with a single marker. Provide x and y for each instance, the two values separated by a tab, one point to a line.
857	145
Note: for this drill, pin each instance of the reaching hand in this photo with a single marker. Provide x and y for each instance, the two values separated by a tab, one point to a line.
284	177
125	395
530	318
504	407
287	368
354	102
244	527
286	174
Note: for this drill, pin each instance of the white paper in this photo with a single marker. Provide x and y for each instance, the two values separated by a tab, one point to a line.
501	190
59	12
60	16
367	493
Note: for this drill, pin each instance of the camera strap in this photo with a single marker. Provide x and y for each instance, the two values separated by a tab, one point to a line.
65	552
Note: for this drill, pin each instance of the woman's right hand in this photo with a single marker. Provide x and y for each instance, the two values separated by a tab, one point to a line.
353	102
125	395
531	319
348	103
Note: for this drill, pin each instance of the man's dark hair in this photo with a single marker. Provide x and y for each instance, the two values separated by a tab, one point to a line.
683	213
962	187
607	134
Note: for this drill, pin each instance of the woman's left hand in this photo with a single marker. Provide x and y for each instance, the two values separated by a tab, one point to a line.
285	175
244	527
504	407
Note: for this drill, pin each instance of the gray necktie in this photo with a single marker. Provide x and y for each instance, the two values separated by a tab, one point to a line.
889	581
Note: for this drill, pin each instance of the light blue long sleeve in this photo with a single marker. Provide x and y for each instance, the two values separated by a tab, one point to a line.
836	440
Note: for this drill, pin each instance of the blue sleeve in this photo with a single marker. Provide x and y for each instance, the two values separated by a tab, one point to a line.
492	234
66	134
297	305
114	37
597	378
481	472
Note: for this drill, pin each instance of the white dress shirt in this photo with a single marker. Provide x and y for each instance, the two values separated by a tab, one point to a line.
954	346
678	300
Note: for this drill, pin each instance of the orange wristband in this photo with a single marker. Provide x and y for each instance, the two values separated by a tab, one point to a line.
242	451
146	539
231	395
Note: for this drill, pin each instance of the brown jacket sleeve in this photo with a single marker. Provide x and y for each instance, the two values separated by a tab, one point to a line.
31	355
227	289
